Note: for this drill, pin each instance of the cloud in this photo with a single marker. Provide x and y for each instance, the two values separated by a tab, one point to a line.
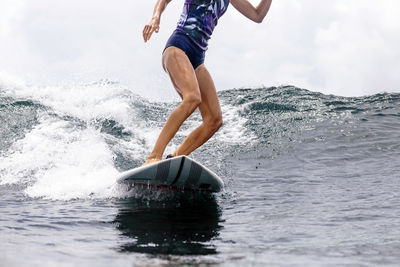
8	15
357	51
341	47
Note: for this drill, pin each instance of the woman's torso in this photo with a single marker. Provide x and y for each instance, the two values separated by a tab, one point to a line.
199	18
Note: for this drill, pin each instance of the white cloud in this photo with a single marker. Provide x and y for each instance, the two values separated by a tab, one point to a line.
340	46
8	15
358	52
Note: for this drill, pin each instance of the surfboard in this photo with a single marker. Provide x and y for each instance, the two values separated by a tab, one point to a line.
181	173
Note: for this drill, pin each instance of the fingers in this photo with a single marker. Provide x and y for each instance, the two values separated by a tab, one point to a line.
148	31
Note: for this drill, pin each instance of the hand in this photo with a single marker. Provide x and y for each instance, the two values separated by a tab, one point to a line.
152	26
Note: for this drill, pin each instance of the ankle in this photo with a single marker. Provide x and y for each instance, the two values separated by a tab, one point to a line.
153	157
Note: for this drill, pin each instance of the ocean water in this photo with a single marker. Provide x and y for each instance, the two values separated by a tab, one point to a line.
311	180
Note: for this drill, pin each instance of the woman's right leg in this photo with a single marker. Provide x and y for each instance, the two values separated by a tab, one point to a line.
183	77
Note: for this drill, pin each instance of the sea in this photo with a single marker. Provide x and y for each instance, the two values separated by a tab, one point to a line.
310	180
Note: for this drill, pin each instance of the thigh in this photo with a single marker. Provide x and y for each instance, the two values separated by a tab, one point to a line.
183	77
209	107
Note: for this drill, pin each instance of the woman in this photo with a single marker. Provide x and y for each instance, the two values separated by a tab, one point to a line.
183	60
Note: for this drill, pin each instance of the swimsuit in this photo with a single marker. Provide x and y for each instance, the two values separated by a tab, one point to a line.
197	23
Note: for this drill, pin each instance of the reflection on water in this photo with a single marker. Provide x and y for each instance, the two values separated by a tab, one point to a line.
183	224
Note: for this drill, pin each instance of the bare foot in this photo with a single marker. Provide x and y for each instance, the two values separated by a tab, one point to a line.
149	161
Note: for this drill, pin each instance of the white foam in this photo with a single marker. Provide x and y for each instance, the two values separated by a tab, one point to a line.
62	159
86	102
57	161
234	130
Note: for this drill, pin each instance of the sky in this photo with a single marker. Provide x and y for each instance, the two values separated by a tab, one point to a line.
342	47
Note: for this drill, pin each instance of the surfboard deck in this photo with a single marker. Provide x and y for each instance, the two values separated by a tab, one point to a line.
179	173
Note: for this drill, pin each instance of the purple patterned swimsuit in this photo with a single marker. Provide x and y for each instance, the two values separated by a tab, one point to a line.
197	23
199	18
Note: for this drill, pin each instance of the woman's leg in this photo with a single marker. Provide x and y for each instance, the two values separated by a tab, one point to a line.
210	111
183	77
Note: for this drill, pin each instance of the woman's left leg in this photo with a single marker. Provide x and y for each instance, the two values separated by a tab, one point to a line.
210	111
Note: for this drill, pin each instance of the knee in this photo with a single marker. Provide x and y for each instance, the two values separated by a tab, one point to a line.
213	124
192	101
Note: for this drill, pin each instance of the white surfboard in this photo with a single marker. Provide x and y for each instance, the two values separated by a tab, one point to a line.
180	173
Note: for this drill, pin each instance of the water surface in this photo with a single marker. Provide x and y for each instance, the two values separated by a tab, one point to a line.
311	180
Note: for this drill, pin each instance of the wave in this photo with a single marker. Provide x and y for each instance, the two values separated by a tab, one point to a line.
71	142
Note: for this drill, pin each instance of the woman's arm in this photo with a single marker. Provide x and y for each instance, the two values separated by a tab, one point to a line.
256	14
154	24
